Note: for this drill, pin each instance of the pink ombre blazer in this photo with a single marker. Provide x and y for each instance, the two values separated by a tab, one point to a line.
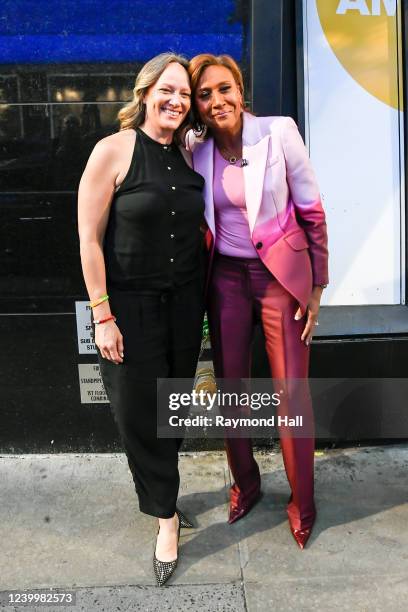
285	213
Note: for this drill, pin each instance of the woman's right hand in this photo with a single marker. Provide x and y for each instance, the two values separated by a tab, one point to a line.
109	341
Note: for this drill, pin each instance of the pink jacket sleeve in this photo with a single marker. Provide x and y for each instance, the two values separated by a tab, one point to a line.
305	195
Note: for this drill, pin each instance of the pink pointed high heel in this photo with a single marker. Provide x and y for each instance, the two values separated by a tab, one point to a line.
301	536
240	505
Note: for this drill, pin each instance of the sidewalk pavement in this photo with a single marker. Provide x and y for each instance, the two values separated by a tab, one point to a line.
71	522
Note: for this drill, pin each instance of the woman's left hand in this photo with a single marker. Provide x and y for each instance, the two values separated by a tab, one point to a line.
311	313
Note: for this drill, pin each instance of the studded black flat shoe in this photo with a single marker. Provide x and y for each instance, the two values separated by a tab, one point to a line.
163	570
184	522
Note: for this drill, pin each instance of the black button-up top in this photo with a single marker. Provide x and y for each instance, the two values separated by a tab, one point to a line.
153	241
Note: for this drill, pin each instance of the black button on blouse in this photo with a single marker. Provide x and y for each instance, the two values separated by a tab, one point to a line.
153	241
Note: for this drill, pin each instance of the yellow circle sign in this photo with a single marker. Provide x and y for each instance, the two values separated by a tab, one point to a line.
363	36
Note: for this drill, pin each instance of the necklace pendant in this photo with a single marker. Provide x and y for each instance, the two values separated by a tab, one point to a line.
232	159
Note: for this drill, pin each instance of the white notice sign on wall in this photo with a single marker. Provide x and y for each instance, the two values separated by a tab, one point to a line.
91	385
84	328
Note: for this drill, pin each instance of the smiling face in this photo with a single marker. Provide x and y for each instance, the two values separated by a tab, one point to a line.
168	100
219	100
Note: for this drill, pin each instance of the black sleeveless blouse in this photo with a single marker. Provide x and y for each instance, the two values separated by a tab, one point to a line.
153	241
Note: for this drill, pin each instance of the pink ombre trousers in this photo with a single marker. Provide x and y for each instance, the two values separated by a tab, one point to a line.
242	291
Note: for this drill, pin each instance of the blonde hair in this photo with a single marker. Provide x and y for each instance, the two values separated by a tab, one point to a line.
133	114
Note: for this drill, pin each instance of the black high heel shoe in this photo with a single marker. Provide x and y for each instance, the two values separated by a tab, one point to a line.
184	522
163	570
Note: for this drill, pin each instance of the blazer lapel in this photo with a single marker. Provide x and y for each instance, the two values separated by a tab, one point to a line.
255	151
203	159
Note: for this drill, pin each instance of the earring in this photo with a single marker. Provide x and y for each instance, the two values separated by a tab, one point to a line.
199	129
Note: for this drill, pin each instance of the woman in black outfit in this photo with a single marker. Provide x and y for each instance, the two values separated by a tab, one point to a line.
140	210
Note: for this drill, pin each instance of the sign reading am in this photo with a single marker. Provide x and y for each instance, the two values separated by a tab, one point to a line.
367	48
389	7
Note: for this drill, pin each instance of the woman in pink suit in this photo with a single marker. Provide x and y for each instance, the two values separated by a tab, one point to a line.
268	261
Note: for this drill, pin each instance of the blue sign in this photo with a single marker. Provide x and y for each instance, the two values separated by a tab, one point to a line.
74	31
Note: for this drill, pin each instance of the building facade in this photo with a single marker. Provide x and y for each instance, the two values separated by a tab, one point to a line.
338	67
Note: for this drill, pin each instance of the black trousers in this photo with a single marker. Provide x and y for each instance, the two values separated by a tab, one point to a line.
162	337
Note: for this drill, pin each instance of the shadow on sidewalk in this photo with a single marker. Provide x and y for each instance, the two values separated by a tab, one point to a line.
350	486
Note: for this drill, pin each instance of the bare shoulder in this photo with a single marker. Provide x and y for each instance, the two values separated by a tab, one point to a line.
114	144
111	156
